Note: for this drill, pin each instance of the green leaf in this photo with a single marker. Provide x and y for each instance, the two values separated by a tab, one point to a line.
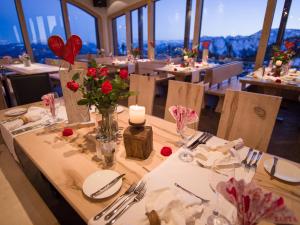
76	76
83	101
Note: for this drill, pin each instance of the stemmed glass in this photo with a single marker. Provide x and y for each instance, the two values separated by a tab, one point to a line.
185	134
220	172
52	100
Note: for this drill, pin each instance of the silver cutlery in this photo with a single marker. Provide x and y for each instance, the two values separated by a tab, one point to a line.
191	193
107	186
136	199
9	120
206	137
273	169
210	168
199	138
248	155
127	192
254	165
136	191
248	165
22	130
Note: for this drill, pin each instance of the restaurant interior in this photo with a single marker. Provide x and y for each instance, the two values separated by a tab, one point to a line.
149	112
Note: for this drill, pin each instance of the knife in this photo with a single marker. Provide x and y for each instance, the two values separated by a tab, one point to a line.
273	169
107	186
19	131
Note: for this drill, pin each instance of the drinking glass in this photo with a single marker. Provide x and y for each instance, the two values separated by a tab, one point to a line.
219	173
186	134
53	109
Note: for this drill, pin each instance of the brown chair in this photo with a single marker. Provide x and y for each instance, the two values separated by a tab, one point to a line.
144	87
147	68
185	94
3	104
250	116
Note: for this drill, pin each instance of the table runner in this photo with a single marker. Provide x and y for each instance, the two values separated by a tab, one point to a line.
188	175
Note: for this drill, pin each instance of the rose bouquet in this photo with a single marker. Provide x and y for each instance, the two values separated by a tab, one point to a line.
281	56
135	52
97	89
190	53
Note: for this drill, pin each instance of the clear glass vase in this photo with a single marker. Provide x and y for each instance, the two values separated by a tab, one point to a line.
107	134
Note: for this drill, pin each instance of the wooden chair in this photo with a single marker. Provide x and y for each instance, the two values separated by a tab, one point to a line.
250	116
149	67
185	94
144	87
3	94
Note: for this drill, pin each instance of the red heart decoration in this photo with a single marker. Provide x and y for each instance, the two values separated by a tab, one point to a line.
72	48
56	44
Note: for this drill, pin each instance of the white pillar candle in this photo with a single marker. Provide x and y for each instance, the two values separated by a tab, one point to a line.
137	114
185	58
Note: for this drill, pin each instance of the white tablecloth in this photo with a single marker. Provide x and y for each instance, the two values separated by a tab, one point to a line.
189	175
9	138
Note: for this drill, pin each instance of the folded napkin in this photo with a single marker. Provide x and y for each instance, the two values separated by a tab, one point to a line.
173	209
195	76
33	114
255	204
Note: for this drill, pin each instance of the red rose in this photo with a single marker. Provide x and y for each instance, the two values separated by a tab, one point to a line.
106	87
205	44
73	85
123	73
289	44
67	132
103	71
166	151
91	72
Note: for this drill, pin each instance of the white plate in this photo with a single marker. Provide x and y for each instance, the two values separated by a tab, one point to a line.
284	170
120	109
15	112
99	179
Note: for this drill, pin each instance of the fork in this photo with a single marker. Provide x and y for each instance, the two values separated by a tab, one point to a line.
136	199
246	158
136	191
206	137
248	165
129	191
254	165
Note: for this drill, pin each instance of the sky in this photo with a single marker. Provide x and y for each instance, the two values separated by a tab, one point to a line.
220	18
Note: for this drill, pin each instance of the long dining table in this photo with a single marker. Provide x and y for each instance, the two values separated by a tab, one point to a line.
67	161
35	68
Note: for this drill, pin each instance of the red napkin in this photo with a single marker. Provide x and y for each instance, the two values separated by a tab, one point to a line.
254	204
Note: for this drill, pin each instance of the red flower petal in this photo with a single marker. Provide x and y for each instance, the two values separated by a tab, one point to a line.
106	87
67	132
166	151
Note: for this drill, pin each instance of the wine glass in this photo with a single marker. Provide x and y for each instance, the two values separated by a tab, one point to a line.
53	102
220	172
186	133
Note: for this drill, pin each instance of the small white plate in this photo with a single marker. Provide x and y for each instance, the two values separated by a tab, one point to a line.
120	109
284	170
99	179
15	112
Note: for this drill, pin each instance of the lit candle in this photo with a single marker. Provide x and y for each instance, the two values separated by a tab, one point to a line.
185	58
278	63
137	114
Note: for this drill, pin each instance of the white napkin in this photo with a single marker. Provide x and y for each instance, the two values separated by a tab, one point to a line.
33	114
131	68
172	209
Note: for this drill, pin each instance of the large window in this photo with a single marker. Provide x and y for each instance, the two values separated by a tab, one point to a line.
11	40
119	35
193	14
43	19
85	26
139	30
292	32
234	29
169	27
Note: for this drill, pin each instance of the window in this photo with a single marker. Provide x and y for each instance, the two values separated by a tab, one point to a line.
169	27
234	29
292	31
139	29
85	26
43	19
119	35
11	39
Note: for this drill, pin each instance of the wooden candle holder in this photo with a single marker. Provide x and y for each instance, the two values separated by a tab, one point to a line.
138	141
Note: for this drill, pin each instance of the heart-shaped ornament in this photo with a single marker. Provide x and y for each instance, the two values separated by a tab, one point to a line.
56	44
72	48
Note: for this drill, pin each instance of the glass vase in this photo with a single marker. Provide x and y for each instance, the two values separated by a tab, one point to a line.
106	135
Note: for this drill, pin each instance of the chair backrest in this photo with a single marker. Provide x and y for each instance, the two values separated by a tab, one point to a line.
80	65
30	88
185	94
250	116
104	59
57	62
177	60
3	104
144	87
148	67
220	73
